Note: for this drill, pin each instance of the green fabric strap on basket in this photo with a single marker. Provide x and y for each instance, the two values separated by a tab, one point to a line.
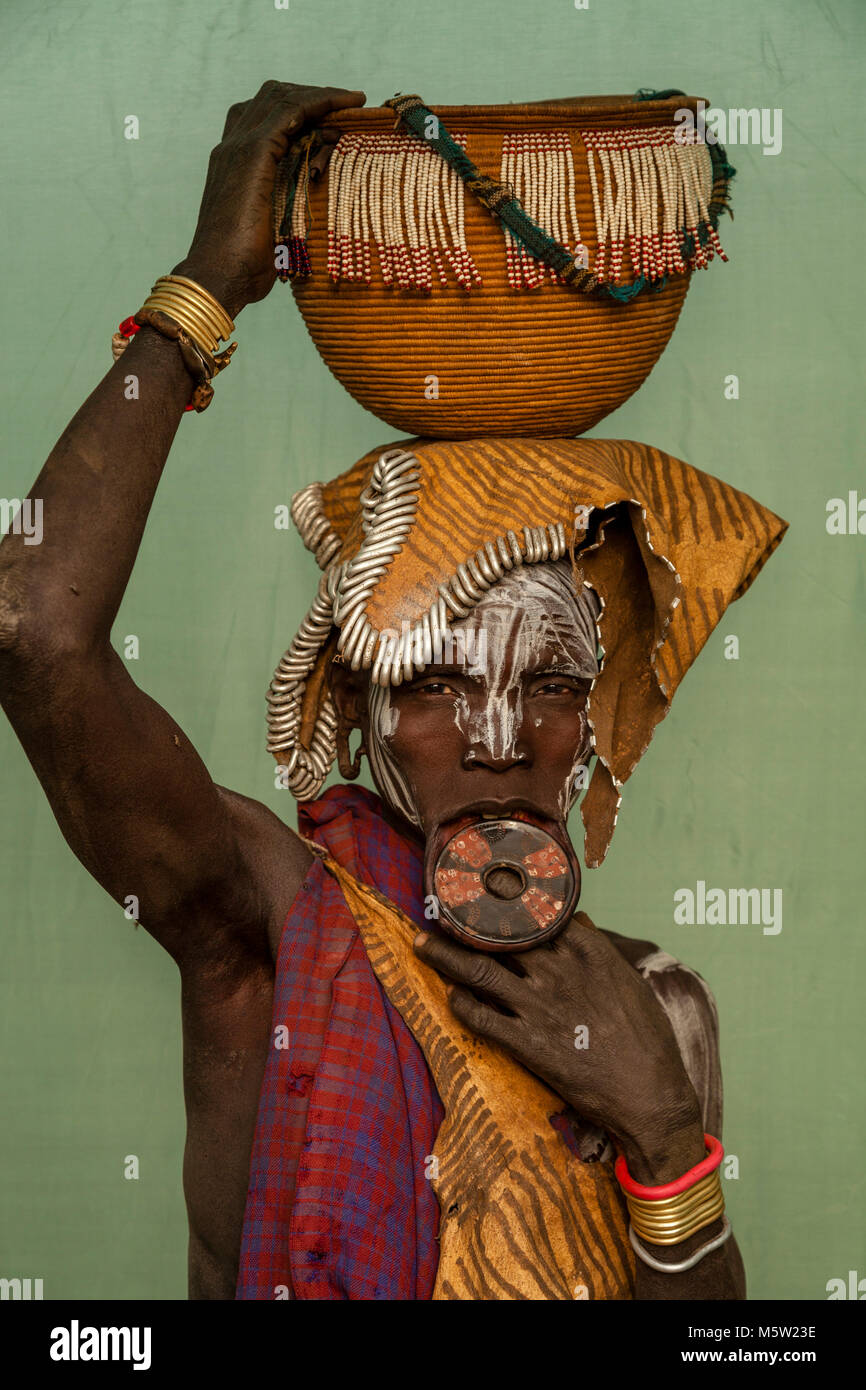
499	199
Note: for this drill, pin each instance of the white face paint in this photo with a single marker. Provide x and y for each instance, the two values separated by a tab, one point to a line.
530	625
388	776
532	620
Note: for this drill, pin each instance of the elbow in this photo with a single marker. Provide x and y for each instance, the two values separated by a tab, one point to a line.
30	642
11	648
20	622
35	638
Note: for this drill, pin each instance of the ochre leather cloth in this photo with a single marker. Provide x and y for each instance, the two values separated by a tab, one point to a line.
521	1216
665	546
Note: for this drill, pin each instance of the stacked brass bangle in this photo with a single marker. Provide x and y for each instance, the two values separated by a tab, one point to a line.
200	316
670	1220
180	309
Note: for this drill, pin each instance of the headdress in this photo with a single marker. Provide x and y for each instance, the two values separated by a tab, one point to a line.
410	538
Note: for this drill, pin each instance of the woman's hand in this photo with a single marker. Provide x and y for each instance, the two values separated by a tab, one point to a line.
624	1072
232	252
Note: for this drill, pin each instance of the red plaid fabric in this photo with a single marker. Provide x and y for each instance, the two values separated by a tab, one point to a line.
338	1206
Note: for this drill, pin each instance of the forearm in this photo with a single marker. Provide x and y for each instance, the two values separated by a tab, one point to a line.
98	484
95	490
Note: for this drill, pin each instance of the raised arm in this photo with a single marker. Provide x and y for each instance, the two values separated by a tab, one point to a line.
132	798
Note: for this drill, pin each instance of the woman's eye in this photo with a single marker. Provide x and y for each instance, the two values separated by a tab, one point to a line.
433	688
556	688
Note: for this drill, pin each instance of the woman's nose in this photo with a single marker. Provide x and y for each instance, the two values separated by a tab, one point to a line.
481	755
492	725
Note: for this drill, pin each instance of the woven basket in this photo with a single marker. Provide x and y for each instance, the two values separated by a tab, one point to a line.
461	360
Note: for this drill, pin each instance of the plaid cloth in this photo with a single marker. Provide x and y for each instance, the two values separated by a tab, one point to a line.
338	1205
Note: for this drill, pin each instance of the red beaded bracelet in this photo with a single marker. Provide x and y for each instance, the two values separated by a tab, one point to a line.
715	1154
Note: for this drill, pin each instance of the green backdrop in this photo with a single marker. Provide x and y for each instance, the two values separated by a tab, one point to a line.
755	779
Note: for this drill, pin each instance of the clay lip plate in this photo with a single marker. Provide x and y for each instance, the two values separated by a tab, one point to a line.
463	866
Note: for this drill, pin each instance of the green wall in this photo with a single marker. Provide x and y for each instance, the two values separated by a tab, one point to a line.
755	779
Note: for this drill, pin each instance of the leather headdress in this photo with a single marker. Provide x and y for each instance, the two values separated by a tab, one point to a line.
409	539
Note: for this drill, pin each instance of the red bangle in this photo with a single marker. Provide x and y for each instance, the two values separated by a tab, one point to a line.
715	1154
128	329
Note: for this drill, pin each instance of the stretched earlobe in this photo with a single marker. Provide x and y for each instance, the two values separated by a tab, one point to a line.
349	706
349	767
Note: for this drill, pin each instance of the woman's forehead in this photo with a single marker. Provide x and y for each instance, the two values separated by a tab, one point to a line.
533	621
522	639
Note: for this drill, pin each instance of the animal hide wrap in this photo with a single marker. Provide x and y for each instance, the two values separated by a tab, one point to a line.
410	538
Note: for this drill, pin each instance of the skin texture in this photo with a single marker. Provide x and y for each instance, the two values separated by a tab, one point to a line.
215	873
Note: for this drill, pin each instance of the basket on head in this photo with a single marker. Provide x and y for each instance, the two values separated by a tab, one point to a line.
500	270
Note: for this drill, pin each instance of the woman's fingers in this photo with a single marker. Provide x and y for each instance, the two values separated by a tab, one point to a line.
308	105
470	968
291	110
321	159
284	107
483	1018
233	115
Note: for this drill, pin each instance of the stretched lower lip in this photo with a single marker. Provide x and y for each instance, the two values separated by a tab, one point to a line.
446	830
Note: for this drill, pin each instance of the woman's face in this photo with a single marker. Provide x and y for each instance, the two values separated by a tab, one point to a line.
500	723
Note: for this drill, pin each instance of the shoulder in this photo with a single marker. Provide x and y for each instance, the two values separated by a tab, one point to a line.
631	947
669	977
691	1010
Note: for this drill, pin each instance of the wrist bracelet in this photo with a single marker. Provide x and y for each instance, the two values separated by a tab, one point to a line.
184	312
671	1212
715	1154
682	1265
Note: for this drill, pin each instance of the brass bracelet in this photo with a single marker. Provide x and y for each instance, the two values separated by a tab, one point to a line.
193	319
200	316
673	1219
222	320
683	1202
676	1232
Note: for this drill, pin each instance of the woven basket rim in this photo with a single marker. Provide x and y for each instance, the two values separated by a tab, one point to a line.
588	111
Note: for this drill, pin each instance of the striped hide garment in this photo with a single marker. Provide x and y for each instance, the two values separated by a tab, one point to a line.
398	1156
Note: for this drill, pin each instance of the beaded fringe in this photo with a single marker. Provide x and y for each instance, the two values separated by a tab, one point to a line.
540	170
651	191
394	192
291	233
644	177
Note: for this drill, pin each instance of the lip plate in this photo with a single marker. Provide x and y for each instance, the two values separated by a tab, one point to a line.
447	830
512	809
